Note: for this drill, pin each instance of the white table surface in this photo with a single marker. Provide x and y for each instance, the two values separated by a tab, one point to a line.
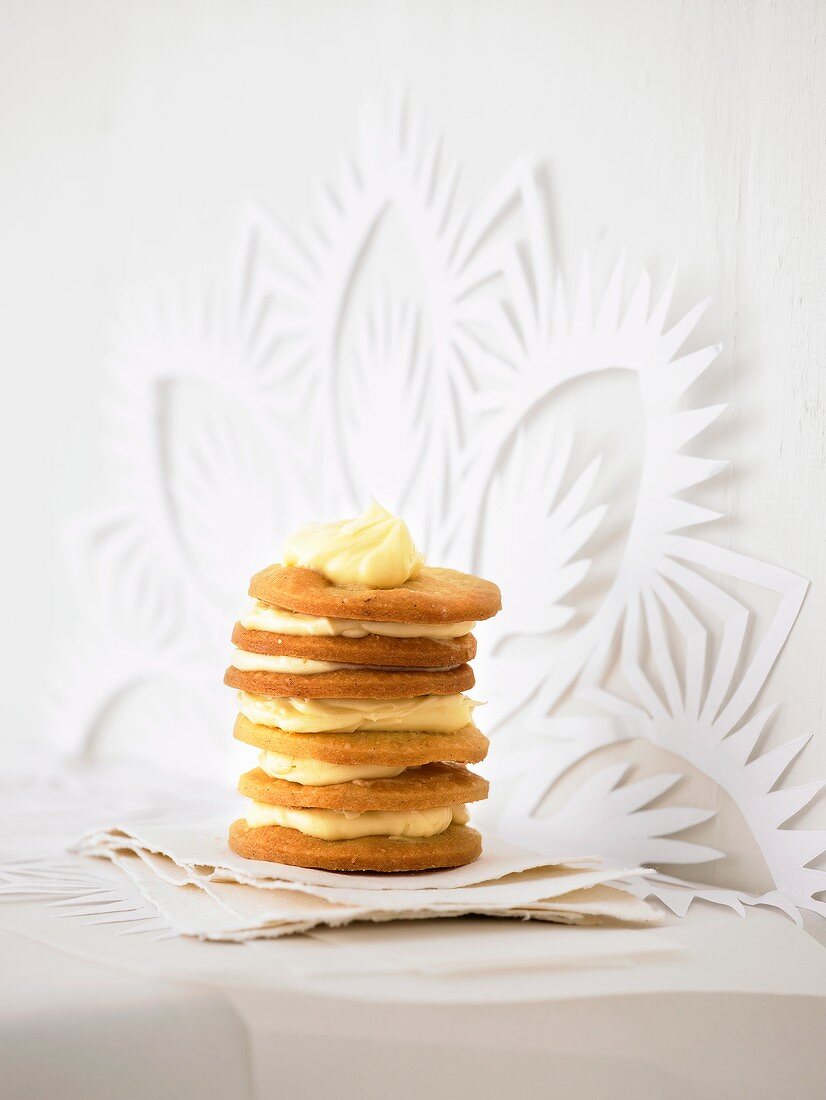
724	1005
737	1008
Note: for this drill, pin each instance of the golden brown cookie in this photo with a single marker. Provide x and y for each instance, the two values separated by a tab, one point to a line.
435	596
423	788
359	683
396	748
455	847
372	650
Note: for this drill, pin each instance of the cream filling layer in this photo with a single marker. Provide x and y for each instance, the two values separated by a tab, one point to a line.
277	620
318	773
245	661
343	825
424	713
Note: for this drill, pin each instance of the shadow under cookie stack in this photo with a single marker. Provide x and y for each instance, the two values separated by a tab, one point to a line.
351	667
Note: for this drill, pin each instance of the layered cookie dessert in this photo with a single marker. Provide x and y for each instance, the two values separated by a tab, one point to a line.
351	669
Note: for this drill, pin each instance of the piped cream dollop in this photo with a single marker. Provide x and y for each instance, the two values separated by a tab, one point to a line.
341	825
423	713
375	549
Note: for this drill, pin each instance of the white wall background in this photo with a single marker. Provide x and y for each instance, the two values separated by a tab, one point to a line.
131	134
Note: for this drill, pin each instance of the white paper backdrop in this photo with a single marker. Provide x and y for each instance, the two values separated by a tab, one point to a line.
139	173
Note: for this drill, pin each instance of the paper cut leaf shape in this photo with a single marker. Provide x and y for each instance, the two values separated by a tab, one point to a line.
289	388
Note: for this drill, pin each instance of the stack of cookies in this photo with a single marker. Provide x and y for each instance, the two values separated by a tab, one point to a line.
353	695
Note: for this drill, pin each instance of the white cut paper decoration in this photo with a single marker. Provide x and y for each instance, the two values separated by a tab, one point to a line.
306	380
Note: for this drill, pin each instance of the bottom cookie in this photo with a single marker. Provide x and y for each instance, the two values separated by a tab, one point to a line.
455	847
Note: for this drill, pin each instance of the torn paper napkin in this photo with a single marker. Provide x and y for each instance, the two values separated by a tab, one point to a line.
204	844
190	875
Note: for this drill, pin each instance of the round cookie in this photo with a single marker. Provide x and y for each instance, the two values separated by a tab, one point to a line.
423	788
455	847
435	596
360	683
395	748
372	650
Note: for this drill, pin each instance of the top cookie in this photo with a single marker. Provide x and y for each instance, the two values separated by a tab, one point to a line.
435	596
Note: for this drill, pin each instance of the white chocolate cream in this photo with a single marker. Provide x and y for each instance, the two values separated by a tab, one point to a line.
423	713
375	549
245	661
318	773
277	620
344	825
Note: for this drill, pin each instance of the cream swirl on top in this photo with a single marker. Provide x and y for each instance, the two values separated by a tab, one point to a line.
375	549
